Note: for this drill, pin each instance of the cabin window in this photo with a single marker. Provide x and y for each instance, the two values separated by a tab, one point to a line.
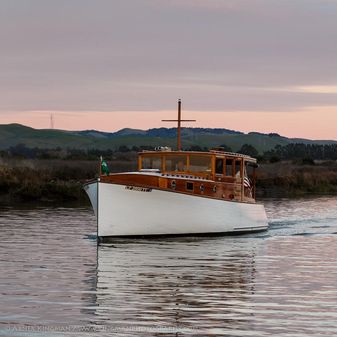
151	163
219	166
229	167
238	168
200	164
189	186
175	163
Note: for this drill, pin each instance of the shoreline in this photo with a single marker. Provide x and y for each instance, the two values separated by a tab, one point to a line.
60	181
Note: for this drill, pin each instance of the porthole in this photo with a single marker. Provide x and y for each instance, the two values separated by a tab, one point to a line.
173	184
202	188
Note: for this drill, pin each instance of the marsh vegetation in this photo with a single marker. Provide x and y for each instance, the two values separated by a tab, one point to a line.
23	179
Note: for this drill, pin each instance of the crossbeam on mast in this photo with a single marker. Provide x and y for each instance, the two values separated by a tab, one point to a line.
179	120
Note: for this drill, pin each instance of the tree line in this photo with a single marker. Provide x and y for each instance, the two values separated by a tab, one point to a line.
293	151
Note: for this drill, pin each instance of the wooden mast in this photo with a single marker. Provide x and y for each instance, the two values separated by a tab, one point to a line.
179	120
179	126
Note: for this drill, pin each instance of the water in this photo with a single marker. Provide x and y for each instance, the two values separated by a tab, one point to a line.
54	281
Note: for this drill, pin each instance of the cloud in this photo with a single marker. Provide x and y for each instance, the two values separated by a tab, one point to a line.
318	89
120	55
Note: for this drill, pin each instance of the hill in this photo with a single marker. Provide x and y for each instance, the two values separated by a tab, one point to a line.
15	134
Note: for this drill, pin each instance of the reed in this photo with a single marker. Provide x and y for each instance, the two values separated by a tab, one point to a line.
61	180
289	179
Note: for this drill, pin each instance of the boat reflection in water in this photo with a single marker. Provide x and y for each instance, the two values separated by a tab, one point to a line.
220	286
176	284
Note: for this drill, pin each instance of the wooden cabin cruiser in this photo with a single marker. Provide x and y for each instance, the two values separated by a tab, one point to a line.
179	193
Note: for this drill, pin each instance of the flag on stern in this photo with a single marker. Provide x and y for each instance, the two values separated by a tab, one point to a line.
246	182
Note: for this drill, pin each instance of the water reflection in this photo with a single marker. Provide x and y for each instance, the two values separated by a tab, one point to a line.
221	286
281	282
47	267
175	282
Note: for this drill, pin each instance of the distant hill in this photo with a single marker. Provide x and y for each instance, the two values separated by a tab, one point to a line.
160	132
14	134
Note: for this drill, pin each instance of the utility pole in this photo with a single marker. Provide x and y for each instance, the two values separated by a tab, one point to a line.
51	121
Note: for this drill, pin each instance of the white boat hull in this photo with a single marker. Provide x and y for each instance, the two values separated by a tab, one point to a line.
126	211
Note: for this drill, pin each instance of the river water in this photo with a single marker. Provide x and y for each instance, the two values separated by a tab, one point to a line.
55	282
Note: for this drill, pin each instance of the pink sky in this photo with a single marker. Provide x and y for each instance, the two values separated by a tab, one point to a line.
247	65
312	123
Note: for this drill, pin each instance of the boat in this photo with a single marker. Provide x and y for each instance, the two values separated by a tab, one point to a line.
176	192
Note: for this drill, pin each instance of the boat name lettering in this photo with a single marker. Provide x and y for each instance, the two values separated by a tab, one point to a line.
138	189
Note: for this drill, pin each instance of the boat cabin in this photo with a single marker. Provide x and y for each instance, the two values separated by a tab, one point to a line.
217	166
215	174
208	165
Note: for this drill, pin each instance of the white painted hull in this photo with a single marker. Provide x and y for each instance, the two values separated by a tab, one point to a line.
124	212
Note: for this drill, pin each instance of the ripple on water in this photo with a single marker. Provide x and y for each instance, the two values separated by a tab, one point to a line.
274	283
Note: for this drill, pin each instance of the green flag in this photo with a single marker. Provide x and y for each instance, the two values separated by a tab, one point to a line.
104	168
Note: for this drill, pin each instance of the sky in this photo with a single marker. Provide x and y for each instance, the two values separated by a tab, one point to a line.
248	65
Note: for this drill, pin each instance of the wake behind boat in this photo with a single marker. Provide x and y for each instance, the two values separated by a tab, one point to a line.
178	193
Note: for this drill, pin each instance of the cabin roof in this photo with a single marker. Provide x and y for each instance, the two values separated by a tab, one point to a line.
209	153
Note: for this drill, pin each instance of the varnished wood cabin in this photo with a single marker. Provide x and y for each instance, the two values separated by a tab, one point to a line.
215	174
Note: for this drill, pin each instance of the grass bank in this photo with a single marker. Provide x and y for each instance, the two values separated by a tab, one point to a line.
26	180
286	179
23	180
